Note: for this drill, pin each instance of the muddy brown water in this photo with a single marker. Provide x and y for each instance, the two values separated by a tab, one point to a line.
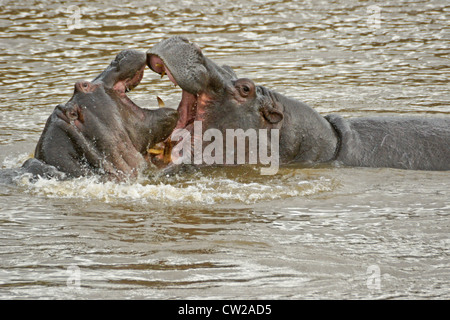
312	233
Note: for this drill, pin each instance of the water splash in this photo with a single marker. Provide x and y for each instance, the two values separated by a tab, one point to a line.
242	184
201	188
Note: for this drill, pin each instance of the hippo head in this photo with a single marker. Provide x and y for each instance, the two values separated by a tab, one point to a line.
215	97
210	93
100	130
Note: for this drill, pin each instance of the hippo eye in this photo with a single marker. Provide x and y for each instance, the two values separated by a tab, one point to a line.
244	90
246	87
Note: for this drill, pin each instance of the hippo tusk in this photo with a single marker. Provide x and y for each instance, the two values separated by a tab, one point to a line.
163	73
161	103
155	151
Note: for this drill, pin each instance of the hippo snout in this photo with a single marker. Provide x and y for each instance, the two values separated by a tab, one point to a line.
164	121
69	112
166	117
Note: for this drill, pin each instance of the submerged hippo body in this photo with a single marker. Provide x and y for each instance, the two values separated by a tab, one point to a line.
397	142
217	98
100	130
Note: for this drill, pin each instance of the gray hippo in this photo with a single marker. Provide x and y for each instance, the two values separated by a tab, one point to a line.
215	97
100	130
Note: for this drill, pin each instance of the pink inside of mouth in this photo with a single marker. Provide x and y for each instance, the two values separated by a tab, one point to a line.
122	86
157	65
187	108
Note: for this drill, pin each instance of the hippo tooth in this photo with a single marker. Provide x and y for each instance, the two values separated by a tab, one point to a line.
163	73
155	151
161	103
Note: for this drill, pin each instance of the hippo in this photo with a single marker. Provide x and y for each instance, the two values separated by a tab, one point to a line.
214	97
100	130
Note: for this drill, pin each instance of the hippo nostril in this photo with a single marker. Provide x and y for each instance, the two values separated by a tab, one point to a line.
73	115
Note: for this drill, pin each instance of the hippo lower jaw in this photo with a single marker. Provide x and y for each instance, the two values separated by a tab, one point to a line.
161	155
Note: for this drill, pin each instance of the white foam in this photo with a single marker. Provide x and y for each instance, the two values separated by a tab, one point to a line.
200	189
11	162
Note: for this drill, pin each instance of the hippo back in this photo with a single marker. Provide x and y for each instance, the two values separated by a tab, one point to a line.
399	142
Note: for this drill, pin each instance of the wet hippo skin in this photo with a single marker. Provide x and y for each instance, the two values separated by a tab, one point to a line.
215	96
100	130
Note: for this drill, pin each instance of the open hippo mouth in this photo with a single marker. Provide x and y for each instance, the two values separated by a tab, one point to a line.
214	97
123	75
116	85
100	129
189	104
201	82
232	111
190	109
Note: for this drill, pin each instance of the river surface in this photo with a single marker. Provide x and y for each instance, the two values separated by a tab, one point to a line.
327	232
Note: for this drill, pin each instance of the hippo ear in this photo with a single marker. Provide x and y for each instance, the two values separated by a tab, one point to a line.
272	115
